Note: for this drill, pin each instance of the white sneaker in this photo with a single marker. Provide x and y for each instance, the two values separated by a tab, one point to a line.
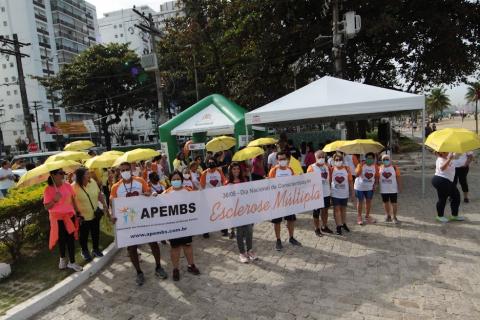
74	267
243	258
252	256
62	264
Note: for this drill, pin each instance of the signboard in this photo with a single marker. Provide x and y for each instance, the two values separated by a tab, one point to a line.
196	146
179	214
243	140
76	127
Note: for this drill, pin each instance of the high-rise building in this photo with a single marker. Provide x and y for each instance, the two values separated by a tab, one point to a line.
168	10
57	30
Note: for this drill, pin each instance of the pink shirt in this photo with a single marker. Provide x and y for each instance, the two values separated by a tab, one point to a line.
64	205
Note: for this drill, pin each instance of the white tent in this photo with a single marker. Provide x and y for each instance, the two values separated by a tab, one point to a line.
336	99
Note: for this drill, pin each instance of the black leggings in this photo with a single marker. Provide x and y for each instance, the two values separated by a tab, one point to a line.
461	175
66	240
93	227
445	189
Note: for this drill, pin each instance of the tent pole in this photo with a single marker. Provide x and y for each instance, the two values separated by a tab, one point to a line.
390	138
423	151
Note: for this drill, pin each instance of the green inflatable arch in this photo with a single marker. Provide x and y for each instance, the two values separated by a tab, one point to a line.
211	116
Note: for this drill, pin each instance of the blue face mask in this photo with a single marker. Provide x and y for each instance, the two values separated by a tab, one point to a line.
386	162
176	183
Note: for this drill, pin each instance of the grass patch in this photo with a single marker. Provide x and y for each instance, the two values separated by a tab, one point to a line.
409	145
38	269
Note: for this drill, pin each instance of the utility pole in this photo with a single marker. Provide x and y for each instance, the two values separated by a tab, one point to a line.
37	107
27	119
337	40
50	93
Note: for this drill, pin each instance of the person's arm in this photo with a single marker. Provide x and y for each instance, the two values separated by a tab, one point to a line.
358	170
203	180
447	162
399	179
350	183
101	198
50	204
469	160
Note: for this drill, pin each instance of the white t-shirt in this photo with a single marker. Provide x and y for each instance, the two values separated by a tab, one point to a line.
448	173
366	179
188	183
279	172
388	179
348	161
6	183
340	184
460	162
272	159
325	172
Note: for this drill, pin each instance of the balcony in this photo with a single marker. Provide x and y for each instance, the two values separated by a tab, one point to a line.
44	32
44	45
69	13
39	3
48	72
41	17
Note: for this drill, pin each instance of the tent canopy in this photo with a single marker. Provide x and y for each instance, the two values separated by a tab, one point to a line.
335	98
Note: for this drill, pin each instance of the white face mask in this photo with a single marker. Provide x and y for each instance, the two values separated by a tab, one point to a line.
338	163
186	176
126	175
283	163
321	161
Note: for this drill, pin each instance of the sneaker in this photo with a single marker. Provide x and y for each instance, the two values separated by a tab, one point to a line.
225	233
466	200
97	253
318	233
252	256
326	229
441	219
176	275
140	280
206	235
232	234
371	220
243	258
339	230
193	269
62	264
160	272
395	220
294	242
359	221
456	218
388	218
278	245
86	256
74	267
345	227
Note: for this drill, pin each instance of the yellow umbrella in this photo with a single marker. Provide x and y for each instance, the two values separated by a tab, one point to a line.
333	146
79	145
361	146
69	155
296	166
247	153
221	143
102	161
136	155
262	142
113	152
41	173
456	140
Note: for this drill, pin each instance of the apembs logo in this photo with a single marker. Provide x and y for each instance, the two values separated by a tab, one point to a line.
128	215
167	211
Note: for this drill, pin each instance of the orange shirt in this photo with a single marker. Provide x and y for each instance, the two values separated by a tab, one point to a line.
277	172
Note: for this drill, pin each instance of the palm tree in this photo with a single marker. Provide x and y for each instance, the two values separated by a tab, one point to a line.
473	94
437	101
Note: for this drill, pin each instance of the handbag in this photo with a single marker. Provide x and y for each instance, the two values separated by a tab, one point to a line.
98	213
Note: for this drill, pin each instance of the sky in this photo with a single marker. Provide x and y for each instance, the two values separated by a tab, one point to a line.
457	94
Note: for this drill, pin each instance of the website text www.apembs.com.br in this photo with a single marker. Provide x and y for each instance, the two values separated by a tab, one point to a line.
151	234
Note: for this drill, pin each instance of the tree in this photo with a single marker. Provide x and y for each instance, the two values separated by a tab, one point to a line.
437	101
105	80
473	95
21	145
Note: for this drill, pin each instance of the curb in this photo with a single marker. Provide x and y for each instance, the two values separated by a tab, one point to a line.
48	297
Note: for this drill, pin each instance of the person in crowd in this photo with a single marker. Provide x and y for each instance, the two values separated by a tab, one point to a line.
147	169
442	181
303	155
7	178
272	158
310	156
195	174
462	166
179	162
131	186
19	164
212	177
364	186
220	160
92	153
321	167
244	233
58	199
163	167
258	168
187	179
283	170
184	243
208	156
87	195
156	186
434	127
390	183
136	169
294	152
200	163
428	130
29	166
341	189
352	162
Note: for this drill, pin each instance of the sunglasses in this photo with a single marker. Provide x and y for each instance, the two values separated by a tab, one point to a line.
61	173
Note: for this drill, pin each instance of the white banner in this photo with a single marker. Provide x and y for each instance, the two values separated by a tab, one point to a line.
180	214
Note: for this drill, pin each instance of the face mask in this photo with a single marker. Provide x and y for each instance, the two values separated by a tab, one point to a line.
321	161
126	175
369	162
283	163
186	176
176	183
386	162
338	163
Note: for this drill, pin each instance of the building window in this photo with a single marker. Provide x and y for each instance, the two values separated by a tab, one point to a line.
15	91
10	106
4	66
22	132
116	36
14	132
11	64
121	34
114	26
18	105
4	23
14	78
3	9
6	79
120	25
8	93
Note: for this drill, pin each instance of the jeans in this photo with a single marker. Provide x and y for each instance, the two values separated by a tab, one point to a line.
245	234
445	189
87	227
66	240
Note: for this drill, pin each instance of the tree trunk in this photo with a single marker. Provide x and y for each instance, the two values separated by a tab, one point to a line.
106	134
362	129
351	130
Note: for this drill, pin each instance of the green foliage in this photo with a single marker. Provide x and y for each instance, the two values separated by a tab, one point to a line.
21	145
437	101
473	92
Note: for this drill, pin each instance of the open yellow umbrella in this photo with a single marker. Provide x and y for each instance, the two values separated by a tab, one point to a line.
361	146
112	152
69	155
333	146
295	165
136	155
41	173
247	153
262	142
79	145
456	140
221	143
102	161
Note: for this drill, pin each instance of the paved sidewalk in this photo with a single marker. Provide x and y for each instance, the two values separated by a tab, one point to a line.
419	270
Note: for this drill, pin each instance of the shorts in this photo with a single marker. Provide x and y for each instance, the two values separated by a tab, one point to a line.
360	195
178	242
389	197
291	217
326	205
342	202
